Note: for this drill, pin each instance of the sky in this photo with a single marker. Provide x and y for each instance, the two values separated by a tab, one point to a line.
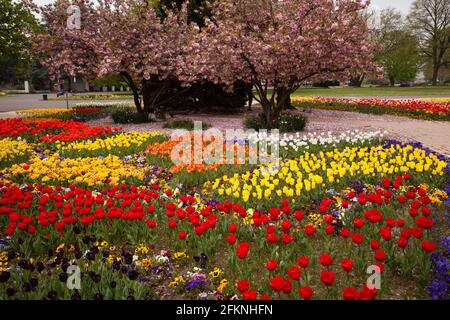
402	5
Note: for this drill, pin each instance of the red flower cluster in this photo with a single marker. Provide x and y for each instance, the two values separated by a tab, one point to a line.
376	231
409	104
242	250
50	130
364	294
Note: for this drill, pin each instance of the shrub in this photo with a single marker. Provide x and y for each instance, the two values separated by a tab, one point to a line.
125	115
287	122
257	122
184	124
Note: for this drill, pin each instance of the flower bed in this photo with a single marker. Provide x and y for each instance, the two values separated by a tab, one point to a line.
51	130
314	173
13	151
55	170
77	113
119	144
306	228
422	109
319	252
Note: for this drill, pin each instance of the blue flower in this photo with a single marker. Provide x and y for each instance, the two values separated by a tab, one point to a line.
439	289
191	285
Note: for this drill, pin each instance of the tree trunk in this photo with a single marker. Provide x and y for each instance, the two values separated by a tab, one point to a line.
357	81
134	89
283	101
274	107
392	81
270	117
147	96
435	75
249	89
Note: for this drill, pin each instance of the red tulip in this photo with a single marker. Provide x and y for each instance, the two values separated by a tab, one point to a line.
271	265
327	277
402	242
249	295
294	273
350	294
358	223
428	246
182	235
305	292
345	233
310	230
243	285
380	255
231	239
326	259
277	283
347	265
303	262
357	238
242	250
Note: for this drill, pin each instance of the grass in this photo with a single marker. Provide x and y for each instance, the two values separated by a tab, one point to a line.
425	91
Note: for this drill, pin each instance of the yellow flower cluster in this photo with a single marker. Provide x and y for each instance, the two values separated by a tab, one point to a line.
438	100
292	178
122	140
43	112
216	273
180	255
303	99
3	261
142	250
89	171
11	150
177	282
436	195
222	285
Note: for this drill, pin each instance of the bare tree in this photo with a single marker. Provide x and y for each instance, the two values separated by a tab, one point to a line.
430	20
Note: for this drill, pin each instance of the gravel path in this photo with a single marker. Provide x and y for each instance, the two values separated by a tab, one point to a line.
432	134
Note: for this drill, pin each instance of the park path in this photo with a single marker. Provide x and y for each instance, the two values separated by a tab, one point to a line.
432	134
35	101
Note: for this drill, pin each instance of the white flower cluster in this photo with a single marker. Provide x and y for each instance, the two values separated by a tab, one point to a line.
300	140
104	104
161	259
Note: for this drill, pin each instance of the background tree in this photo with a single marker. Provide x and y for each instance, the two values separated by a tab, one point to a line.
117	37
279	45
402	62
66	51
205	96
16	25
39	77
110	81
359	75
430	20
398	53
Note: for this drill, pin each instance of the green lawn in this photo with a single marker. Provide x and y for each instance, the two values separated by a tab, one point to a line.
429	91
